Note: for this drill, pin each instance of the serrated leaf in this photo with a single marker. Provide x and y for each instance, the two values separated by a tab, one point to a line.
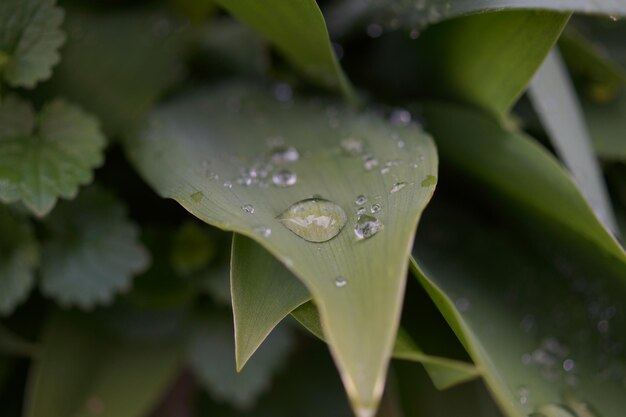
117	64
298	30
30	38
553	97
516	167
47	156
93	253
211	355
264	292
101	374
19	256
195	149
538	317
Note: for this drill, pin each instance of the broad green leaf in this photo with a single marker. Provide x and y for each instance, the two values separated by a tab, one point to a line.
47	156
499	54
93	253
219	152
516	167
444	373
264	292
211	356
540	323
298	31
30	38
19	256
84	371
118	64
556	103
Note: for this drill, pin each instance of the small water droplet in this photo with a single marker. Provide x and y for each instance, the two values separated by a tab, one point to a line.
284	178
385	170
285	154
352	146
366	226
360	200
398	186
400	117
248	208
197	196
228	184
314	219
523	395
374	30
369	162
429	181
263	231
375	208
361	210
283	92
568	365
340	282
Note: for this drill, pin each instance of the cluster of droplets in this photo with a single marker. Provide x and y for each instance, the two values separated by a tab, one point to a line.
366	225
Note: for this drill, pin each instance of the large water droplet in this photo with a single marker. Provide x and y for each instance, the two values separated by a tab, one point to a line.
284	178
285	154
314	219
248	208
366	226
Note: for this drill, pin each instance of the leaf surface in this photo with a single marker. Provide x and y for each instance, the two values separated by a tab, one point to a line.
30	38
94	252
47	156
202	149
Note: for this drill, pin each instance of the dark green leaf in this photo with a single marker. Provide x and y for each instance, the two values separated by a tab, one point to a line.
47	156
30	38
94	251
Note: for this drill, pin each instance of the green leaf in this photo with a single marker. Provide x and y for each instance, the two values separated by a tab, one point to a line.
118	64
30	38
19	256
499	54
538	322
212	359
516	167
264	292
556	103
298	31
200	150
46	157
93	253
607	124
84	371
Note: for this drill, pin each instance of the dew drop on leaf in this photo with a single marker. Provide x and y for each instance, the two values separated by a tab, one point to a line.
398	186
285	154
352	146
248	208
366	226
284	178
369	162
340	282
314	219
360	200
375	208
263	231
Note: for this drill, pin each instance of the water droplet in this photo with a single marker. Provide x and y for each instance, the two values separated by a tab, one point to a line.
400	117
369	162
360	200
248	208
228	184
361	211
314	219
197	196
352	146
263	231
374	30
366	226
613	18
401	144
283	92
385	170
398	186
340	282
568	365
429	180
285	154
523	395
375	208
284	178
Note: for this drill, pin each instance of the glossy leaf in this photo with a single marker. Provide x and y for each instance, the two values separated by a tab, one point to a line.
539	319
298	31
211	355
101	375
19	256
201	149
516	167
557	105
47	156
30	38
94	251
